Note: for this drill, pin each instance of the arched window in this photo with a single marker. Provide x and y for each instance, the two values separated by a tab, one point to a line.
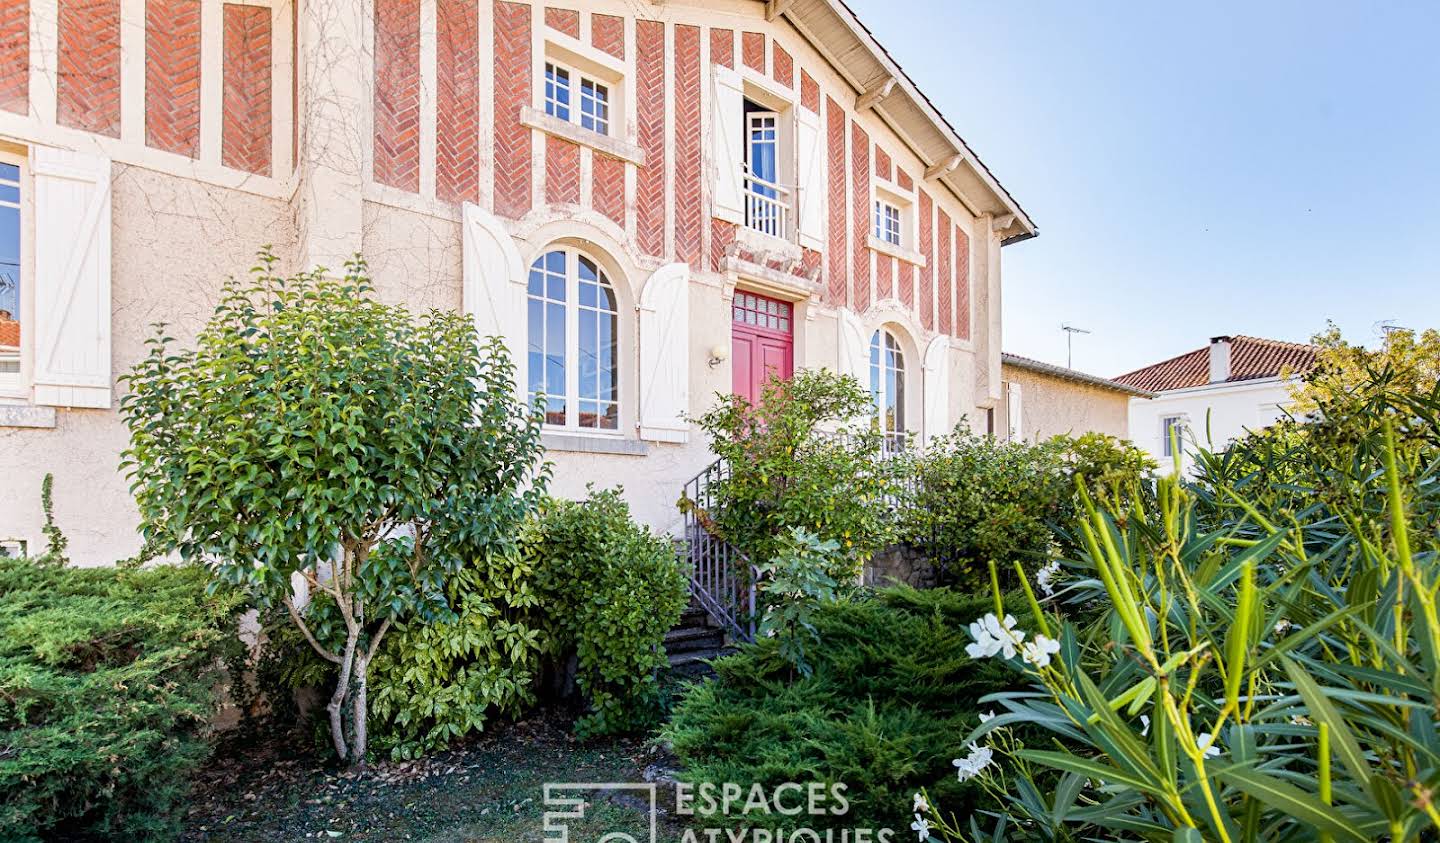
887	386
573	338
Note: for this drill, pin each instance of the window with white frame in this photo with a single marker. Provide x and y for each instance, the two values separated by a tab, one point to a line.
1172	432
573	342
767	202
887	222
10	291
576	98
887	387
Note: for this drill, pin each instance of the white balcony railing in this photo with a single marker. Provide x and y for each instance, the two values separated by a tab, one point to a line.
767	206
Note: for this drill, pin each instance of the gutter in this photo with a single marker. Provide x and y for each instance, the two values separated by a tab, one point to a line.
1072	375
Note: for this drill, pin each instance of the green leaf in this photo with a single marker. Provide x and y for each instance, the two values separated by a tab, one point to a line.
1293	802
1321	711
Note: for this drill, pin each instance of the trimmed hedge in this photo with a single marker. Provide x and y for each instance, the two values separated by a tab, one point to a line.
891	696
108	684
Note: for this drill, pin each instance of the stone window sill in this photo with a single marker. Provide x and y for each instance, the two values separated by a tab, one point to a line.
898	252
565	130
26	415
581	444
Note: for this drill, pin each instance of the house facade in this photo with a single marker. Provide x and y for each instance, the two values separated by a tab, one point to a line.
1042	400
652	203
1214	394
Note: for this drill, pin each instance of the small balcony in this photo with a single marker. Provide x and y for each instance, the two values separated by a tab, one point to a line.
767	206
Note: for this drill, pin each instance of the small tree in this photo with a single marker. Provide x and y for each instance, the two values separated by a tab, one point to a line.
314	431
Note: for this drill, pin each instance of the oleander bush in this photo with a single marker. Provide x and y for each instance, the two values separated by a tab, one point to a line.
1265	667
885	709
109	681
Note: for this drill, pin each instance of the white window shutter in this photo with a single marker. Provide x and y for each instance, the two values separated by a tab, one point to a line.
1017	428
493	292
854	347
810	142
72	278
727	121
937	388
665	355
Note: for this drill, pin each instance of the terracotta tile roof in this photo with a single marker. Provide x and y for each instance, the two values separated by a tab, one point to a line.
9	332
1069	374
1251	358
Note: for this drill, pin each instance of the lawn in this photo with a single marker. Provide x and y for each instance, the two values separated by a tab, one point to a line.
487	791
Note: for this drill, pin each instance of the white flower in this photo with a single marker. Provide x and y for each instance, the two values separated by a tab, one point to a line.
1039	651
921	806
994	636
921	827
1145	721
1206	742
987	716
1045	577
972	764
1283	626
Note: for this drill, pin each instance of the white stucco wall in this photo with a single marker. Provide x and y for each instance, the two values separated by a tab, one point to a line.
1215	414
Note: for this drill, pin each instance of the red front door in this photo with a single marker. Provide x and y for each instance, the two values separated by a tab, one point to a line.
763	344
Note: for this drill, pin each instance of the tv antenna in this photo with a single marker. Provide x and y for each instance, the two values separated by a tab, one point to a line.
1070	332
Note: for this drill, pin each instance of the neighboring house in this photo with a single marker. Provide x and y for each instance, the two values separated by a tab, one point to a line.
1214	394
1043	400
650	202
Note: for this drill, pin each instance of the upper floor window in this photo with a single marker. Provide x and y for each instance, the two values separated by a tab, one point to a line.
887	222
573	342
9	274
887	386
767	203
564	88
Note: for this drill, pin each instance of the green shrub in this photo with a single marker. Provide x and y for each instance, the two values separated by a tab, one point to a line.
803	456
1265	667
610	590
890	698
793	585
108	685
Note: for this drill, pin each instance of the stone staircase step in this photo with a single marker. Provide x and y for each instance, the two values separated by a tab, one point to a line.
692	638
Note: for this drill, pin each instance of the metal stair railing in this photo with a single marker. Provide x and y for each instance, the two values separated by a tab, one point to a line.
722	578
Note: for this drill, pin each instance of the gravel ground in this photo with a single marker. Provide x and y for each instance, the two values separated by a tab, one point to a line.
490	790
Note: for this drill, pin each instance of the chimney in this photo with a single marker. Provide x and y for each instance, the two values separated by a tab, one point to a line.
1219	359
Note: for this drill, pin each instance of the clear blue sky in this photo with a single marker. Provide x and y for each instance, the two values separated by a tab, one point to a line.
1195	169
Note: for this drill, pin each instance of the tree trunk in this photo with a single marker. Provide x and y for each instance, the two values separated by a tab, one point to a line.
360	735
342	689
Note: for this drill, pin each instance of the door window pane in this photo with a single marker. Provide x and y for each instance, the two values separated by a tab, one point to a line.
9	274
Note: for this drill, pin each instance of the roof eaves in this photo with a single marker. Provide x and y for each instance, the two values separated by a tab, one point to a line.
1073	375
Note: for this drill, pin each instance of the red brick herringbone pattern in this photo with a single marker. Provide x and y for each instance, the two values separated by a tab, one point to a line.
457	118
397	93
927	272
563	20
722	47
607	33
962	284
907	285
562	172
835	152
607	187
172	76
783	66
903	179
809	92
689	213
246	122
861	217
882	163
811	262
884	276
944	280
650	97
15	56
512	91
722	236
752	47
89	66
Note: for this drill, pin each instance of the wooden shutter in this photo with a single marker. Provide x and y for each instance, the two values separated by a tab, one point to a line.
72	278
665	355
727	120
493	293
810	142
937	388
854	347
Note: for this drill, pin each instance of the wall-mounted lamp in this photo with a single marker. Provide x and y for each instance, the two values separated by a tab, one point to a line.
718	355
